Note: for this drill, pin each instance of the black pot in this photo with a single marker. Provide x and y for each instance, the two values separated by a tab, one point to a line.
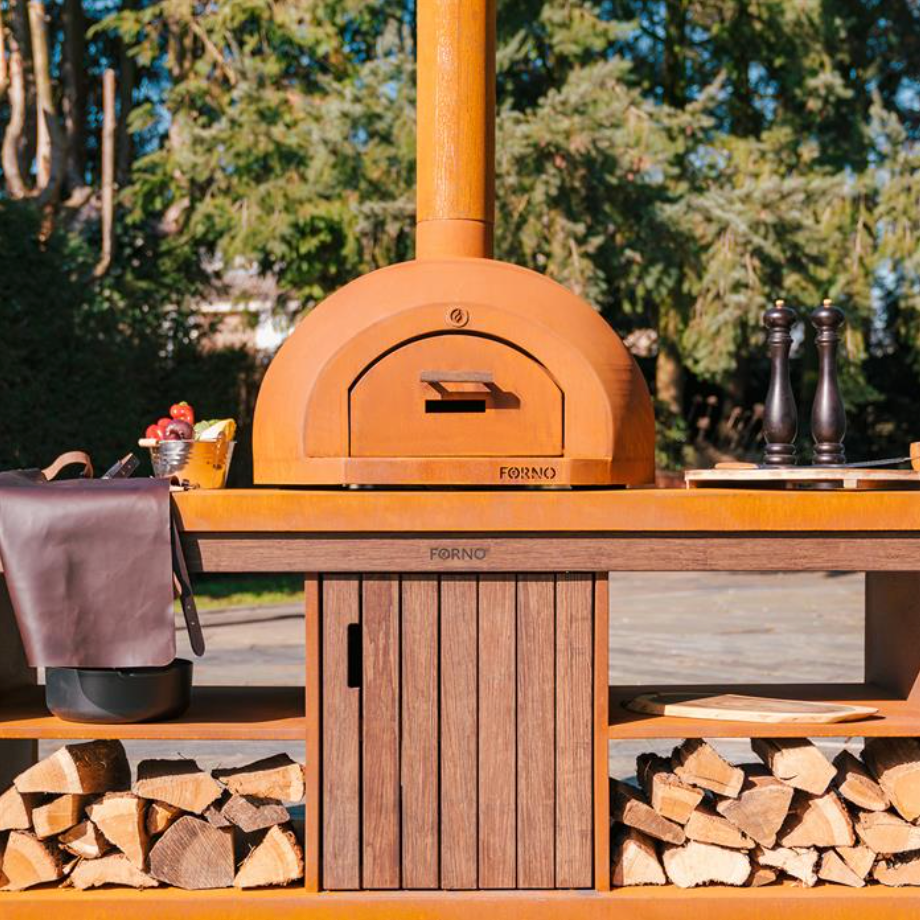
119	695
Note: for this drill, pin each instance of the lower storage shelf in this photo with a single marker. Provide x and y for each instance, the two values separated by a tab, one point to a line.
664	903
216	713
896	717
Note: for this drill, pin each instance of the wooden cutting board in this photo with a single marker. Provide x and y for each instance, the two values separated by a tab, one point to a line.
734	707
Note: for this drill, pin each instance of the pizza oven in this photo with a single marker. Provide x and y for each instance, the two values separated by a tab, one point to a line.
454	368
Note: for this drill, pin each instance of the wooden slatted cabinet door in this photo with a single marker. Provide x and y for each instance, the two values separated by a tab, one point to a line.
574	731
341	864
458	731
419	761
536	713
380	731
497	732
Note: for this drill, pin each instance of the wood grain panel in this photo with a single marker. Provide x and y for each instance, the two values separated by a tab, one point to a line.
536	703
419	760
312	703
380	731
696	552
601	739
574	730
341	863
497	732
458	732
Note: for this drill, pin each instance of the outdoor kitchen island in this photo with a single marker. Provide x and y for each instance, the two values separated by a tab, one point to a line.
425	690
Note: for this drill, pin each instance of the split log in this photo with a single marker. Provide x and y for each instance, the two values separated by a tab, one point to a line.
667	794
58	815
761	876
856	785
702	864
798	864
251	814
859	858
896	873
160	816
707	826
214	813
120	817
834	869
86	769
629	808
697	763
84	840
180	782
895	763
277	860
277	777
761	807
885	833
194	855
115	869
821	821
28	861
796	761
635	860
16	810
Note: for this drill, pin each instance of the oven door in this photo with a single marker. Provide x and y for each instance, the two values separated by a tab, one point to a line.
459	395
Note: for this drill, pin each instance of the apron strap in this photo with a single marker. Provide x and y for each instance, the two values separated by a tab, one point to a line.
71	457
186	597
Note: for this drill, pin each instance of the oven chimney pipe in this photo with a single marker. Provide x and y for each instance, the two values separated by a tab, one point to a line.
455	143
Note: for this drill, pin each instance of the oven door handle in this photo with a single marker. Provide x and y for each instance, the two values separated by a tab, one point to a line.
487	378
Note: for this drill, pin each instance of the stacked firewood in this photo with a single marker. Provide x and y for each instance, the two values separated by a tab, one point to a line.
76	819
698	819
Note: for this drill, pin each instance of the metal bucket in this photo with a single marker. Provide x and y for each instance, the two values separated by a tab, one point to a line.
198	464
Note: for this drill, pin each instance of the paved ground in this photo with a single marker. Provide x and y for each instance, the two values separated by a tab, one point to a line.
702	627
735	628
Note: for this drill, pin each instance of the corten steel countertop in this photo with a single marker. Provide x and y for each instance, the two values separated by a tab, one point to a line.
339	530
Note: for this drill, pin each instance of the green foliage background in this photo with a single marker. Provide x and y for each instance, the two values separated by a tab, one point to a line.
678	163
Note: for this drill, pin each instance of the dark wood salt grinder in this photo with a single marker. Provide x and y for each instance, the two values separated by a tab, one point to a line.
780	419
828	416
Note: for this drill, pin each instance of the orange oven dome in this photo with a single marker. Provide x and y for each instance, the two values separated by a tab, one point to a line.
454	369
462	371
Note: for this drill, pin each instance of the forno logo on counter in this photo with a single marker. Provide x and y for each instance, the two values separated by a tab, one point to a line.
457	553
527	473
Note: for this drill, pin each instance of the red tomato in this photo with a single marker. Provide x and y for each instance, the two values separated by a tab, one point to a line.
163	422
183	412
155	432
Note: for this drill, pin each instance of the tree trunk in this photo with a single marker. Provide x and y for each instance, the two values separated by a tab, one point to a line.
673	63
21	40
4	67
124	145
669	370
127	79
108	171
49	168
73	76
12	137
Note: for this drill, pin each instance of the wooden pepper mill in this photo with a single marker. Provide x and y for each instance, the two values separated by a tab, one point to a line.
828	416
780	420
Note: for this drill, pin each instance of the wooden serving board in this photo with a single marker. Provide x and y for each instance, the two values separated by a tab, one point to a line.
803	476
733	707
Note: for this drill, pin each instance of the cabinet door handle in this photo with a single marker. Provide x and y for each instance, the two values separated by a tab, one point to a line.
353	651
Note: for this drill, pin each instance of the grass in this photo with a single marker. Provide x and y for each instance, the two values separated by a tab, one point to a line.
246	590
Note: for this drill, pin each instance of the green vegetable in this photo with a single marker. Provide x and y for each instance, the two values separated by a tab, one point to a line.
200	426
